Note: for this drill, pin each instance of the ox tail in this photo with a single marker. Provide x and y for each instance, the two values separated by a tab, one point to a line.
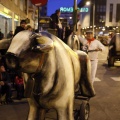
86	86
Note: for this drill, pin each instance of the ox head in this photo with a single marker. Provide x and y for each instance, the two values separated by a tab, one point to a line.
25	42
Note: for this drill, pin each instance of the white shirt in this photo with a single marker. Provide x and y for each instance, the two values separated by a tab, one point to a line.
95	44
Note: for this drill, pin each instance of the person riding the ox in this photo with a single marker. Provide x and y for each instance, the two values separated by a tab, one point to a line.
92	46
56	24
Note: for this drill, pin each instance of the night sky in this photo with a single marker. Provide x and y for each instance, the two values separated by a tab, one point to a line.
53	5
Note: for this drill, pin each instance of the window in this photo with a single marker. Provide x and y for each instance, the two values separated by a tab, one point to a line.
98	8
104	8
101	8
117	13
111	13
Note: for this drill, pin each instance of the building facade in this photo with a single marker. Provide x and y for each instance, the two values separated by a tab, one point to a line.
12	11
105	14
112	13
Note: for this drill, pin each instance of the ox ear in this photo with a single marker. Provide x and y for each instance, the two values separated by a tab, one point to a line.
44	44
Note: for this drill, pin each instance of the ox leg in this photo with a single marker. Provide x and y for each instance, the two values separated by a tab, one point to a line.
65	113
61	114
70	110
42	114
35	113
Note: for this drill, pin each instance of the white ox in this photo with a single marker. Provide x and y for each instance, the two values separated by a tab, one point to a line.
52	73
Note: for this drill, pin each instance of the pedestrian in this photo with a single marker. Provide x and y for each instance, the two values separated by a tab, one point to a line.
21	27
28	27
110	36
93	46
5	85
10	34
68	32
56	23
1	35
19	85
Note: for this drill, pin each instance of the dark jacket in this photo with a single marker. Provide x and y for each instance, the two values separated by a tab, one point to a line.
5	77
1	35
54	21
9	35
18	29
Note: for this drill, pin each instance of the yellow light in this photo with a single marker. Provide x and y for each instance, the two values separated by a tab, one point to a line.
16	17
6	10
5	15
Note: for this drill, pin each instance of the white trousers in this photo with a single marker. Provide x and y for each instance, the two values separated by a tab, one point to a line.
93	69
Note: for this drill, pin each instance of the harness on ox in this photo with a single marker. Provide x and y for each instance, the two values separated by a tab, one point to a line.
30	83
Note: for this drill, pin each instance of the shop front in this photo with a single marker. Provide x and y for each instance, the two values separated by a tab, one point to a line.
8	20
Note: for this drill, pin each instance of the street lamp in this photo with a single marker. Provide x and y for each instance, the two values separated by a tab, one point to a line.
75	15
88	3
92	2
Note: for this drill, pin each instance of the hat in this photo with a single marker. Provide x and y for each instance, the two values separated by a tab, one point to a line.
57	11
89	31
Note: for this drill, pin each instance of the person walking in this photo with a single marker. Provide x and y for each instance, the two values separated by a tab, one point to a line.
28	27
1	35
10	34
19	85
92	46
5	85
21	27
56	23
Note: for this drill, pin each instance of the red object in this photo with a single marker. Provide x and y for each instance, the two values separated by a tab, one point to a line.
18	80
39	2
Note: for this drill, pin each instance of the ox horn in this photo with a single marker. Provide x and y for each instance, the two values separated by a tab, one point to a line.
44	44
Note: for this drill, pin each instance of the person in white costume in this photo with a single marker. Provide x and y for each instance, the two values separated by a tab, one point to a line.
92	46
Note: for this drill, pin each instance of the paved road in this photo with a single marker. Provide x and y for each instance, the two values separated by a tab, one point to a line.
104	106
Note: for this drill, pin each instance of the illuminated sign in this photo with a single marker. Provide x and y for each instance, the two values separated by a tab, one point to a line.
70	9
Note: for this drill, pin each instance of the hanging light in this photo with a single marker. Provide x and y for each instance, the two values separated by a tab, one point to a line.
88	2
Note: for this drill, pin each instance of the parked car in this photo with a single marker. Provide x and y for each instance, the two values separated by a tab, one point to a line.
114	49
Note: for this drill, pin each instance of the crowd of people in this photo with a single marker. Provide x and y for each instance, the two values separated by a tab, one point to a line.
11	79
23	26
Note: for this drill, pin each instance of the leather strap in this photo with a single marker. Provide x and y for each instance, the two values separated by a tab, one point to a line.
41	62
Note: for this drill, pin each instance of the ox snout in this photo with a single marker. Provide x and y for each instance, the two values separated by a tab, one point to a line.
11	60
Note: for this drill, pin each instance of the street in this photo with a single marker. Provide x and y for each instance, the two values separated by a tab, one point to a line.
104	106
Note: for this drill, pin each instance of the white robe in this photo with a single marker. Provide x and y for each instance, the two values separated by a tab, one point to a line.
95	44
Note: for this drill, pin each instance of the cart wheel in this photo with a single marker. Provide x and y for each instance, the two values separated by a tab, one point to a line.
84	111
